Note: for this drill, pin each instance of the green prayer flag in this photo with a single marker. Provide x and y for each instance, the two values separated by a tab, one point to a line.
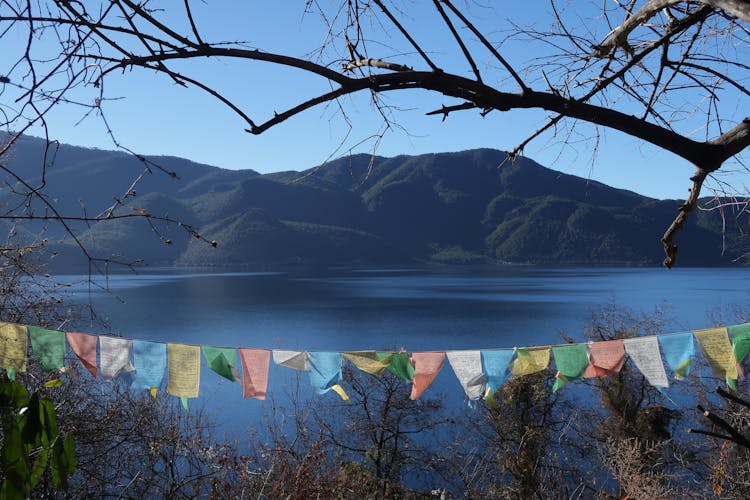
184	402
740	341
399	366
560	381
48	347
740	335
222	360
732	383
571	361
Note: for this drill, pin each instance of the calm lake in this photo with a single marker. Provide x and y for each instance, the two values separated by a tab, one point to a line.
417	309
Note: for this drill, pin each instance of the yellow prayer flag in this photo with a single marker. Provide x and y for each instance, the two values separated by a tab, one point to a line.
530	360
718	351
184	370
340	391
367	361
14	342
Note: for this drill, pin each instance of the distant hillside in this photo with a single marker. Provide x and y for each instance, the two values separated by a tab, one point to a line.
469	206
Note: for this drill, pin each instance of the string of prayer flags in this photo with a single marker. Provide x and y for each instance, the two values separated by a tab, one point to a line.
679	351
571	361
368	361
296	360
325	373
84	347
426	367
740	345
49	347
644	351
255	364
222	360
467	365
13	348
605	358
184	369
400	364
716	347
114	356
478	371
496	366
150	361
530	360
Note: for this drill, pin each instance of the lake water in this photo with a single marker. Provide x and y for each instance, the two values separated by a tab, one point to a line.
417	309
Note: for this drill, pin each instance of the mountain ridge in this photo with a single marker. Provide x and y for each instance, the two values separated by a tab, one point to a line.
465	206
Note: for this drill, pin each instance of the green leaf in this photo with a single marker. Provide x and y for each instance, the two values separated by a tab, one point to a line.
32	422
63	461
54	383
40	464
13	462
13	394
49	422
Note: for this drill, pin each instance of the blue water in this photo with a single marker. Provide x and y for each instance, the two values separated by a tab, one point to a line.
417	309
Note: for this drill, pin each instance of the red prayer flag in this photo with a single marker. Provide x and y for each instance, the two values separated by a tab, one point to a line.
255	364
84	345
605	358
426	367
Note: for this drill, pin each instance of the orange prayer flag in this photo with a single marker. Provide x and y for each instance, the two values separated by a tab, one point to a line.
255	363
84	345
426	367
605	358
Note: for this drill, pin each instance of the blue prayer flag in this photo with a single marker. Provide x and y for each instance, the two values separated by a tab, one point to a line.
496	365
150	360
679	350
325	370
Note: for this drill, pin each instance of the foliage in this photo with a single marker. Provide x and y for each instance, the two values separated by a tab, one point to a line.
32	442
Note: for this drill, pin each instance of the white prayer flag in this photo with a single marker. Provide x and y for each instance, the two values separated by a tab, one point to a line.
644	351
467	365
114	354
297	360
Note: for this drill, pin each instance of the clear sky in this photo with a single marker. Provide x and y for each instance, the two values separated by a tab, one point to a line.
152	115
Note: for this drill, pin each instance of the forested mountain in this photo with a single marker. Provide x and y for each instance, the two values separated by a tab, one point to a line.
469	206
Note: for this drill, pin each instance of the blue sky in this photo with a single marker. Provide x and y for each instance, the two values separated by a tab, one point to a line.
151	115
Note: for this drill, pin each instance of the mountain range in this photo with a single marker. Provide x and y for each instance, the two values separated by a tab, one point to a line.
466	207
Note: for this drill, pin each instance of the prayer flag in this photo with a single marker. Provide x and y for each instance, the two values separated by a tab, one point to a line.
740	341
368	361
325	370
400	365
297	360
255	364
605	358
84	346
679	351
150	360
716	347
571	361
467	365
740	335
114	356
48	347
426	367
530	360
496	365
222	360
645	354
14	346
184	370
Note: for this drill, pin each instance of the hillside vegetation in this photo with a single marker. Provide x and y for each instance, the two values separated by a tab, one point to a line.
469	206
